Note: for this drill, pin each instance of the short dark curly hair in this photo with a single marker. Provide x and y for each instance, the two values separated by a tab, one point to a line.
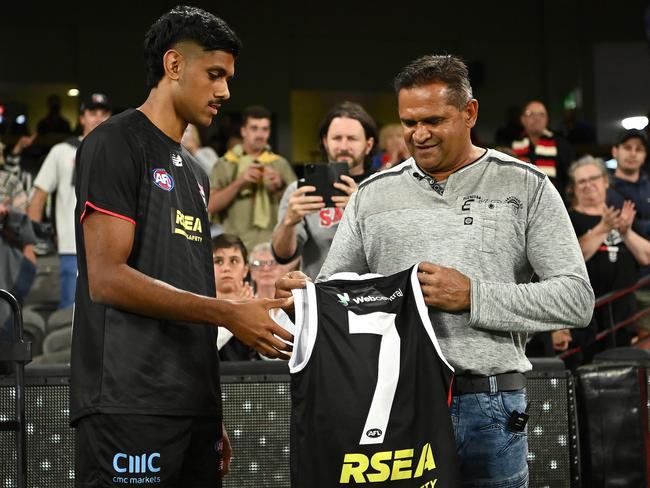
180	24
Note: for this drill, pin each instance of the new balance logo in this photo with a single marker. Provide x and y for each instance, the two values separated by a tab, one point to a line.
177	160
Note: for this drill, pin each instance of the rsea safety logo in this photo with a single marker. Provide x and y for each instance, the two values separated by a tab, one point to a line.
136	469
403	464
162	179
188	226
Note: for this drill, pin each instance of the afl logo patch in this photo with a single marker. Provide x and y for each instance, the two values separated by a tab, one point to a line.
163	179
374	433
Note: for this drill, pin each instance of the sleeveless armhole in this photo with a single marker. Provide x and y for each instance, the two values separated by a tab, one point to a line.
305	328
424	314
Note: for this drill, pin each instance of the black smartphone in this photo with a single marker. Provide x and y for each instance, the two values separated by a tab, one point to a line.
323	176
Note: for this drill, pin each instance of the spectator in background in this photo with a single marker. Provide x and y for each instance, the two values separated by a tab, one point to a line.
53	122
57	174
630	183
17	258
205	155
611	247
539	146
305	227
230	259
247	183
392	148
265	270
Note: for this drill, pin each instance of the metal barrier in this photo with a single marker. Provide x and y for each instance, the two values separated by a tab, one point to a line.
607	301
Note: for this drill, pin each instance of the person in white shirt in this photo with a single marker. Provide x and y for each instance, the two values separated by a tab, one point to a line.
57	174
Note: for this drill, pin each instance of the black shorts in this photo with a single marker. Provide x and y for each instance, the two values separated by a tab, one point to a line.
147	450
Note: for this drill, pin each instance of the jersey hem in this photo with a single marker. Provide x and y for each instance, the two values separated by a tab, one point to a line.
84	412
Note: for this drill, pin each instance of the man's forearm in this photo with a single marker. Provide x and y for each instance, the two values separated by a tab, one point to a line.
128	289
222	198
285	241
36	204
558	303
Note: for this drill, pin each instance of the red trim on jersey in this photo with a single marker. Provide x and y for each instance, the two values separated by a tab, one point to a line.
107	212
603	248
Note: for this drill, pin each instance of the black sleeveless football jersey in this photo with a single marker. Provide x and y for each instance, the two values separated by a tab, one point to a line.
370	387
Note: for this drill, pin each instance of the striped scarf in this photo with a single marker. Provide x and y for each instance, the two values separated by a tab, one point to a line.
543	155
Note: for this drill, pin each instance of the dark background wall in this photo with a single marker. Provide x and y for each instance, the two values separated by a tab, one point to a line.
517	50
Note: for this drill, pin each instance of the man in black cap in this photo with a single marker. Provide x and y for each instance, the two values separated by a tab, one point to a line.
57	174
630	183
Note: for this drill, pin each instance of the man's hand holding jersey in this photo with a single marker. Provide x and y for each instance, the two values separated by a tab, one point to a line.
250	322
444	288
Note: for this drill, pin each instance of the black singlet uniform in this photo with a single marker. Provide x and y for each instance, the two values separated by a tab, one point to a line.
122	362
370	387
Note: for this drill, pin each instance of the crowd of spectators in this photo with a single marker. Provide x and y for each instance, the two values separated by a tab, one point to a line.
265	223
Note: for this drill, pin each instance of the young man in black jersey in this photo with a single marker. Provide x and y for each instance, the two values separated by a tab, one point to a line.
145	396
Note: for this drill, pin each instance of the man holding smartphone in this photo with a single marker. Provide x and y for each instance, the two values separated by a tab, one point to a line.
248	181
305	226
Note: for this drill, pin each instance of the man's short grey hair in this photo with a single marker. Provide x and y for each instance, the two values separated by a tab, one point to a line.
447	69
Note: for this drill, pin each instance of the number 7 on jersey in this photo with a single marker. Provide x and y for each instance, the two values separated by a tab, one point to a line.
383	324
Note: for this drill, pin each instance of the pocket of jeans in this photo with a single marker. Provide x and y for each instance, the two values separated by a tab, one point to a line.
511	401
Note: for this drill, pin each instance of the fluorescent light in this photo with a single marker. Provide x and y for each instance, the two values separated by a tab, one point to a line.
639	122
73	92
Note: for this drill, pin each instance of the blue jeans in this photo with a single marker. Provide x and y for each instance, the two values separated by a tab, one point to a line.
67	279
490	454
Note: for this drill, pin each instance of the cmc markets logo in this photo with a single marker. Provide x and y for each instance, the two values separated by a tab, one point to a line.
136	469
162	179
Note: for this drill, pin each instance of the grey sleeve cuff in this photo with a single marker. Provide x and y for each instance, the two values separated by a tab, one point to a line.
474	303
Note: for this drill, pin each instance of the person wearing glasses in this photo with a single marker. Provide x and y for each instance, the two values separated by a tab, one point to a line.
537	145
612	249
265	270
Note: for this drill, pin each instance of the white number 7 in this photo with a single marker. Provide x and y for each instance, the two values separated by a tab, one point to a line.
382	324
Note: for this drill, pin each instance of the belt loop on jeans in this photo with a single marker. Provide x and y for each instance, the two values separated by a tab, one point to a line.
494	388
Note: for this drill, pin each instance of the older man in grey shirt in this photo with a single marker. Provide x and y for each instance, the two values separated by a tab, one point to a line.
480	224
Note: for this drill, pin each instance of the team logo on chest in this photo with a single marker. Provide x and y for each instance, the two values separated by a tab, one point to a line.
162	179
